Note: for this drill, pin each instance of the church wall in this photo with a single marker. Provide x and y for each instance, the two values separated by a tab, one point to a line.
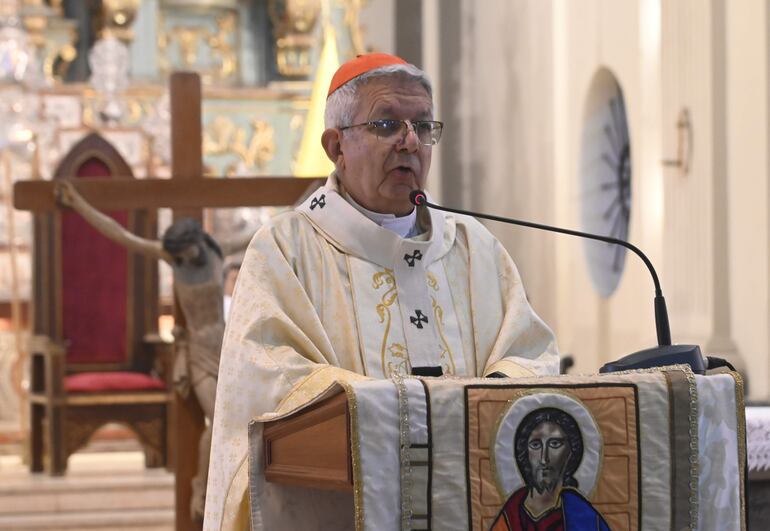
520	85
431	64
144	52
690	70
608	35
499	127
377	24
748	191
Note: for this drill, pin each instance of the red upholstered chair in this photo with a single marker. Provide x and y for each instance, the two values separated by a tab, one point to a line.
94	356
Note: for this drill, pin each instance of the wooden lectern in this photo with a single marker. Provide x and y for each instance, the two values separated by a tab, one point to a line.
653	450
312	447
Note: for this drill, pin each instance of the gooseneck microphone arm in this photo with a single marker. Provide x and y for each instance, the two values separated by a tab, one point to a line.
418	198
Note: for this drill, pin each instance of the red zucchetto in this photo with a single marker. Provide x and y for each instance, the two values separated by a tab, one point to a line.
361	65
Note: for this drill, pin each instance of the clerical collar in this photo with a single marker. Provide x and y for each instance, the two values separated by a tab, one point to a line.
404	226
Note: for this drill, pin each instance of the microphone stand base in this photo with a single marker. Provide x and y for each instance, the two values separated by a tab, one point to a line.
660	357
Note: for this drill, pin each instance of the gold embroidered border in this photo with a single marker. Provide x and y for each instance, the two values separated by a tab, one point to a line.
693	429
740	413
438	314
405	445
316	384
396	350
232	517
355	456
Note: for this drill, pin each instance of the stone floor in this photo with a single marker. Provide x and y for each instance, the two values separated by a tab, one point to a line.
101	491
111	490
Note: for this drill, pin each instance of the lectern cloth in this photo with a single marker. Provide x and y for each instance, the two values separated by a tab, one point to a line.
659	450
325	295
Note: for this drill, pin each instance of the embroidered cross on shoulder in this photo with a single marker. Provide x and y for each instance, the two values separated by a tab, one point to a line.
410	258
418	319
319	202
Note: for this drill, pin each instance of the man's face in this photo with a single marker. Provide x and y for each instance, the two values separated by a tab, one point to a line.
378	175
548	454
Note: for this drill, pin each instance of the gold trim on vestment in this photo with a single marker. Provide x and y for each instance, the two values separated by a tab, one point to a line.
397	350
405	444
438	314
740	412
694	457
315	384
355	456
232	518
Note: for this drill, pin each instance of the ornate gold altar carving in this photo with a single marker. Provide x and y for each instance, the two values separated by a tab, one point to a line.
352	11
59	57
35	20
255	149
119	15
293	23
191	41
52	35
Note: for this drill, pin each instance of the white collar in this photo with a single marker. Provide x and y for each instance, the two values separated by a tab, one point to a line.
353	233
404	226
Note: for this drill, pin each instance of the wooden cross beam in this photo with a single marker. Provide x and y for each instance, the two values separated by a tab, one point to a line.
176	193
187	193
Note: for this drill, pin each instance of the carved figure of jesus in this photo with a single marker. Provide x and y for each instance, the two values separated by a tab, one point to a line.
197	264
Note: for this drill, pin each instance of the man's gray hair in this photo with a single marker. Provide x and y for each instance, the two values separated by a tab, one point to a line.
341	105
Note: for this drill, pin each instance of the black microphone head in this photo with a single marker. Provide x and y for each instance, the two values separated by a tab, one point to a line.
417	197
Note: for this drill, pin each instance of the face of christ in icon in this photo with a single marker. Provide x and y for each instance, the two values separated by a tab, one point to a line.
548	454
548	451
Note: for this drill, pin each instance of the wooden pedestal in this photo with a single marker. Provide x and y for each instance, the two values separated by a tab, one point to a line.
312	447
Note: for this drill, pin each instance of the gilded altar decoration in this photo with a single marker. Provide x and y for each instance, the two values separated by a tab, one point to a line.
352	11
59	57
52	36
35	16
158	125
254	147
119	15
204	41
109	60
293	23
16	55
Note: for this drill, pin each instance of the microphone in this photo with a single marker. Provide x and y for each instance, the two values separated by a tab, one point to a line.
664	354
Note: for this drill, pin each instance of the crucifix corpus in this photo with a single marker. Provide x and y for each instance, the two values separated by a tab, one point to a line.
187	193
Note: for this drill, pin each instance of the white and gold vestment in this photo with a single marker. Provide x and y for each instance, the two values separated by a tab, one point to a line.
325	295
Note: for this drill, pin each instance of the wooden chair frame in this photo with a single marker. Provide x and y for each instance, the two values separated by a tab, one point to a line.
62	422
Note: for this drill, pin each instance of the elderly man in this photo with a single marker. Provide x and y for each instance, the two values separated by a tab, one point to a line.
357	282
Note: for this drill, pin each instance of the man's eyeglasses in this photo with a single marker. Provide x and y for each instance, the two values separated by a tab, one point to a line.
393	131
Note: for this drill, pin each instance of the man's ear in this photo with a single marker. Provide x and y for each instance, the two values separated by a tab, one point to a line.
331	140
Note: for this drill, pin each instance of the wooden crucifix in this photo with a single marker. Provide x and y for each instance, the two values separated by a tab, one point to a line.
187	193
